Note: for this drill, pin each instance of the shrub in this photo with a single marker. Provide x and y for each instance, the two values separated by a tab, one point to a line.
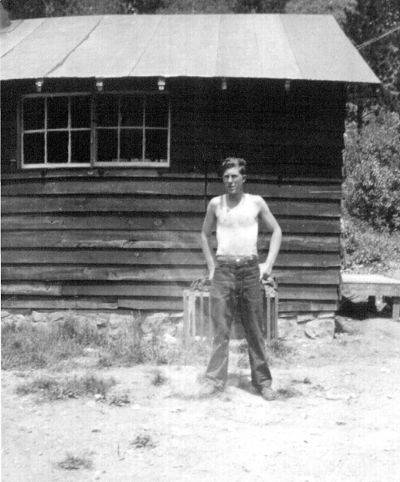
364	246
372	170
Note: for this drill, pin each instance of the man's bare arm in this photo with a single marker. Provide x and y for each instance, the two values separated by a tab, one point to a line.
206	233
271	223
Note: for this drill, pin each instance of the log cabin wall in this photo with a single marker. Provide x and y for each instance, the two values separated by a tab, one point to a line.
128	238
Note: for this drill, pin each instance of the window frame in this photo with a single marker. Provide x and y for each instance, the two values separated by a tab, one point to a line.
93	128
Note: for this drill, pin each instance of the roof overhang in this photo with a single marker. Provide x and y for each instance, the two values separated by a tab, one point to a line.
259	46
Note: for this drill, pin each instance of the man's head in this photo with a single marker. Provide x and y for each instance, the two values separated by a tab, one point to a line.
233	174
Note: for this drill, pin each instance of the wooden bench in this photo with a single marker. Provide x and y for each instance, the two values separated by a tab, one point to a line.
372	285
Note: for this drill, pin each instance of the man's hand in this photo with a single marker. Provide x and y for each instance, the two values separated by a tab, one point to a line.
265	270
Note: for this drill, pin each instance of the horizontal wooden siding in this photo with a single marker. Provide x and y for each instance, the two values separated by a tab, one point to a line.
134	243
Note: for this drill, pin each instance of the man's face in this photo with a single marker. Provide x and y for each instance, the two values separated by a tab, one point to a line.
233	180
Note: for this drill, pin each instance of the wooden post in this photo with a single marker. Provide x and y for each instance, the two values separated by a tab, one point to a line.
276	307
192	315
186	326
396	309
268	317
201	314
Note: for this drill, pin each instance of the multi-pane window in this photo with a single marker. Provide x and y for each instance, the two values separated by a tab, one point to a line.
106	129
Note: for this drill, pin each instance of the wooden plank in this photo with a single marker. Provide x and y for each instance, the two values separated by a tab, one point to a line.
182	274
261	136
283	191
307	306
116	203
167	304
31	289
276	123
109	203
128	289
151	187
105	221
159	187
350	290
148	240
133	174
124	221
105	273
93	173
302	292
59	304
316	277
151	304
153	257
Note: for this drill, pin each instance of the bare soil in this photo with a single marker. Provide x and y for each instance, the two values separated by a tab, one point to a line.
337	419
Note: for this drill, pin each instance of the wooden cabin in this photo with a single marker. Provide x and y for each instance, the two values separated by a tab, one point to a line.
112	128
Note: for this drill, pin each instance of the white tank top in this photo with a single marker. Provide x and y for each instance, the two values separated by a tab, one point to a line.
237	227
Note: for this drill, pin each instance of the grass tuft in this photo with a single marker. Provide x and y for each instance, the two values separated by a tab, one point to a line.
280	349
62	388
75	462
143	441
284	393
159	378
119	398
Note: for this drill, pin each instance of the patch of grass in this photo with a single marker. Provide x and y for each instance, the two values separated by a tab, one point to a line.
104	361
243	361
62	388
34	345
279	348
119	398
37	346
76	462
159	378
288	392
143	441
305	381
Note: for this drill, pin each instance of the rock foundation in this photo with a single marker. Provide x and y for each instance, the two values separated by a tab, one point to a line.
170	325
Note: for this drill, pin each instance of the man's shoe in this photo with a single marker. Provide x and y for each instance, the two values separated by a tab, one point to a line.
268	394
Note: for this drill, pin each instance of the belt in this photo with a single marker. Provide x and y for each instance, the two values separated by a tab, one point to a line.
237	260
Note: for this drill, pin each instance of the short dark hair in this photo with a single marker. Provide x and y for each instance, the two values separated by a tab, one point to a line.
238	162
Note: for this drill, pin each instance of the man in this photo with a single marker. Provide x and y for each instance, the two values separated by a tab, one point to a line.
236	275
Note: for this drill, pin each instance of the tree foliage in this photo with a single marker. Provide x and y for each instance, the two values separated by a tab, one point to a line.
372	171
337	8
369	20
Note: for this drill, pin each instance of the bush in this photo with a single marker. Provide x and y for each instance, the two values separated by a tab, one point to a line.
364	246
372	171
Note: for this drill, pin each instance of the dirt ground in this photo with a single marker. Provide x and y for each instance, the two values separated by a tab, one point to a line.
343	424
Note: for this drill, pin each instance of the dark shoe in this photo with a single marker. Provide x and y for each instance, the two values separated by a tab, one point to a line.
268	394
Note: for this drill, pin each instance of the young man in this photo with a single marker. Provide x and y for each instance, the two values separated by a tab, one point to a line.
236	274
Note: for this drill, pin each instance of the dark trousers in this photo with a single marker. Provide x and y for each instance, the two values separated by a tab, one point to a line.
236	290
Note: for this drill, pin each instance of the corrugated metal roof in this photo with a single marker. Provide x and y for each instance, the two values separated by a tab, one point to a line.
306	47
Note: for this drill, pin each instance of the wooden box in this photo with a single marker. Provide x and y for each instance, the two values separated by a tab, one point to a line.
197	315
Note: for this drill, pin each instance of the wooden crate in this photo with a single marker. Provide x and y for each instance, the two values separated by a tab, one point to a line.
197	314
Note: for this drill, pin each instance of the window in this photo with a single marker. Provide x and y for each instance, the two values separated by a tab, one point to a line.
62	130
